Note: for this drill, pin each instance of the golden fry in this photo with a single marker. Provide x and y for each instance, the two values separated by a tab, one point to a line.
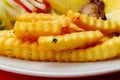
92	23
8	33
48	37
32	30
32	25
106	50
69	41
71	28
38	16
14	47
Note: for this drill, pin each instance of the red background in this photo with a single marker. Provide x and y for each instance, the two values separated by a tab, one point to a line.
12	76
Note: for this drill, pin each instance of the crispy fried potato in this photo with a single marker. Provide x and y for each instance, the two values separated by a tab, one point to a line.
32	30
71	28
38	16
69	41
14	47
8	33
30	26
106	50
60	38
92	23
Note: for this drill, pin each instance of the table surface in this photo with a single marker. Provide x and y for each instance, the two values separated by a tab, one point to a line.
13	76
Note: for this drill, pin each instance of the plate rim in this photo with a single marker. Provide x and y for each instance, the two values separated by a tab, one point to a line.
59	75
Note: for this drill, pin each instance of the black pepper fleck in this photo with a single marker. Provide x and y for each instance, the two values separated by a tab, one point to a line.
54	40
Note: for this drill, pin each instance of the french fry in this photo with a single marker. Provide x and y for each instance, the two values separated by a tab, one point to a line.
69	41
71	28
92	23
72	38
8	33
14	47
38	16
32	30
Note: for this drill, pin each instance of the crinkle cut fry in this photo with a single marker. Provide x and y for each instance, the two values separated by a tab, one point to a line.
14	47
38	16
69	41
17	48
8	33
92	23
32	30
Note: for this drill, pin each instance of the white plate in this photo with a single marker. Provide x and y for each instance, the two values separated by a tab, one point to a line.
56	69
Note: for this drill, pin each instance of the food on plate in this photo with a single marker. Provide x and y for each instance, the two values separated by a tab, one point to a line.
59	30
111	6
35	17
36	25
4	21
69	41
94	8
8	33
34	5
112	10
32	30
14	47
64	5
92	23
10	9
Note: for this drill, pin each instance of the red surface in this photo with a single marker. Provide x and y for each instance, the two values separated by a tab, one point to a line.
12	76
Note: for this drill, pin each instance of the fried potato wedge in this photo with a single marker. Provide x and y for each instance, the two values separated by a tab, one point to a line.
69	41
92	23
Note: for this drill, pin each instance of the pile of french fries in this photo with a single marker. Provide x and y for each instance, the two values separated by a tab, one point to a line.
73	37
